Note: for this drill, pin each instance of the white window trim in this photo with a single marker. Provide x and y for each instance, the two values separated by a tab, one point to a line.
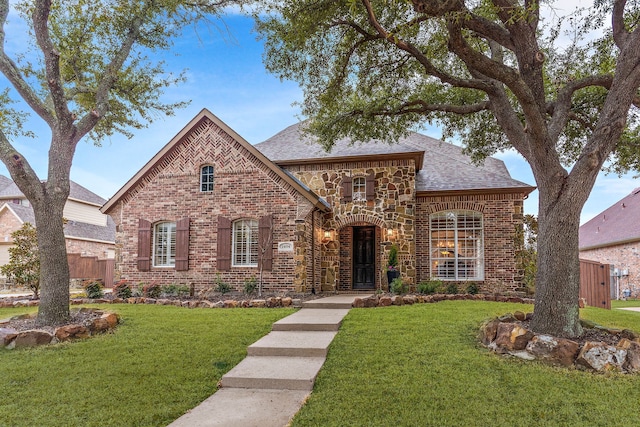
247	243
359	196
171	258
479	260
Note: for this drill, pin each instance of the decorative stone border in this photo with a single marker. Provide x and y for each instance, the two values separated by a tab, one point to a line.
230	303
11	338
386	300
507	335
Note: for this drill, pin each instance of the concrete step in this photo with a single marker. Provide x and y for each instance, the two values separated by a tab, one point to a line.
311	319
280	373
334	302
293	343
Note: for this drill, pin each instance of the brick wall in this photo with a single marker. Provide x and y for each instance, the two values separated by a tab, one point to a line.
501	214
243	188
623	257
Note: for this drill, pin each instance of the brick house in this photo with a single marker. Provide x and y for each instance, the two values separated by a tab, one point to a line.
613	237
88	231
210	206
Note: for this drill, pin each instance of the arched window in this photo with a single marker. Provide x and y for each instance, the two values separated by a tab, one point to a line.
206	178
456	245
245	243
164	244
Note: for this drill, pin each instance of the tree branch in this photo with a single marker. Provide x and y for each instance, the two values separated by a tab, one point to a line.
620	34
14	75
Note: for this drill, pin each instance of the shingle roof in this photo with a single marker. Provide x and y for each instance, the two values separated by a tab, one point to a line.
75	229
445	167
617	224
9	190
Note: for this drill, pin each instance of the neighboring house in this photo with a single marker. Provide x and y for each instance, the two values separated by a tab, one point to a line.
613	237
88	231
210	206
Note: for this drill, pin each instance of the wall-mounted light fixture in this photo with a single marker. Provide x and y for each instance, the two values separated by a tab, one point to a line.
327	236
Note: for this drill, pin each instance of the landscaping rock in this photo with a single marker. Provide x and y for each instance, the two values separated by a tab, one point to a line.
287	301
7	335
409	299
68	332
397	300
488	331
31	338
258	303
371	302
599	356
554	350
112	319
384	301
512	337
218	304
230	303
357	303
99	325
519	316
632	362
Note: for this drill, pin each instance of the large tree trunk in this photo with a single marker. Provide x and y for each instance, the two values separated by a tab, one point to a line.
561	198
54	267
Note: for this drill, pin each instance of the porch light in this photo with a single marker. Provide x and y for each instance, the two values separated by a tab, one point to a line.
326	236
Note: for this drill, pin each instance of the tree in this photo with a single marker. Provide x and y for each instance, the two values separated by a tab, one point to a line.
24	261
492	72
85	73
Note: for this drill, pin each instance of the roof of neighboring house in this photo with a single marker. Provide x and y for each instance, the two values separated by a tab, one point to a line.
72	229
441	166
617	224
9	190
207	115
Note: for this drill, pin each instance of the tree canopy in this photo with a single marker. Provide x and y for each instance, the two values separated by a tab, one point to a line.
87	70
561	88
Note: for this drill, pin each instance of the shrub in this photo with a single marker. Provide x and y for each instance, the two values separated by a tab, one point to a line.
222	286
250	285
429	287
122	289
23	267
451	288
152	290
397	287
473	289
392	264
93	289
174	290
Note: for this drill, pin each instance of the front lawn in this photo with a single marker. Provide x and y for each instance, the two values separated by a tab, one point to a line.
421	365
159	363
625	303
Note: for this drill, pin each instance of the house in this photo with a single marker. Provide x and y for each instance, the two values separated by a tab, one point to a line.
88	231
211	207
613	237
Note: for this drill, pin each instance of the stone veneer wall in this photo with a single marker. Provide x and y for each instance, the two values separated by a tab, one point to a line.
623	257
243	188
89	248
501	214
393	208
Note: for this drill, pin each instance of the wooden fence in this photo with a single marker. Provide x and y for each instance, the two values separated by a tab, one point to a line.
595	283
90	267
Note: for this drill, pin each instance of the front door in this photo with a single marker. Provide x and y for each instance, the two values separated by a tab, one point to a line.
364	259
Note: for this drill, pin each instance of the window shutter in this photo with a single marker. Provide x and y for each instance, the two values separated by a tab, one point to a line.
371	187
182	244
144	245
265	239
224	244
347	189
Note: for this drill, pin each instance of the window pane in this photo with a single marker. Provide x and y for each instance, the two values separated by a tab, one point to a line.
206	178
245	243
164	244
359	188
456	246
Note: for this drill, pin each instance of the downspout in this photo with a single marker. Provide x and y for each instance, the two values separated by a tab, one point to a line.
313	251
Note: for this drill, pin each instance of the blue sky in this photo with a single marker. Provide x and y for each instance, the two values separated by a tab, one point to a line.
225	74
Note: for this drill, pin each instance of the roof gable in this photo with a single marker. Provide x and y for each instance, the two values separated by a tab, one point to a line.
615	225
185	133
441	166
9	190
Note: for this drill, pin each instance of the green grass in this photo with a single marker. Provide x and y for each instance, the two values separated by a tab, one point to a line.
421	365
627	303
159	363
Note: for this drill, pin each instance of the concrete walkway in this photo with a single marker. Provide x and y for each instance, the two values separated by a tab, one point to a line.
271	384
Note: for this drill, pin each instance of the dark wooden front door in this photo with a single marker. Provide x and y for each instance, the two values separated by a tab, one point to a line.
364	258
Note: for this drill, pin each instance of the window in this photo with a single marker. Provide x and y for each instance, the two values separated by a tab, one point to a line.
164	244
206	179
245	243
457	245
359	192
